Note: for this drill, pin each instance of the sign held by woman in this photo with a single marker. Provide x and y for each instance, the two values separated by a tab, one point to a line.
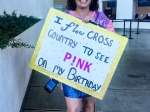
78	54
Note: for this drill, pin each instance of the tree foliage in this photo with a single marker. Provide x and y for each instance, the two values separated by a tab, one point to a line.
12	25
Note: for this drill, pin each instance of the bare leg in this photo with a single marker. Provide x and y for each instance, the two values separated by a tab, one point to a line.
89	104
73	104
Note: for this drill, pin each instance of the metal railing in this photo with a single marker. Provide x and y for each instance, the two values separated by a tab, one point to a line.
130	25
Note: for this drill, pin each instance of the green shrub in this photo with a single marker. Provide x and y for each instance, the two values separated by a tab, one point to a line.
11	26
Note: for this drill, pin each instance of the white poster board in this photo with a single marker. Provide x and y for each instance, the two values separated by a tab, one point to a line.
78	54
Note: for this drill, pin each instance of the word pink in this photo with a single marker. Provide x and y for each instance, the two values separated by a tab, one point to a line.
78	62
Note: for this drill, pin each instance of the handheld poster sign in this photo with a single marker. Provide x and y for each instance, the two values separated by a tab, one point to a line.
78	54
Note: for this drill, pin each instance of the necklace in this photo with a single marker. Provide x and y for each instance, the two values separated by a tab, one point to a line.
82	16
90	15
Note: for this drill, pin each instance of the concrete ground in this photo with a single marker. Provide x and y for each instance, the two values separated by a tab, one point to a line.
129	90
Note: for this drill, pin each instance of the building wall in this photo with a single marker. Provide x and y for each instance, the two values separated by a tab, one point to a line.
15	72
60	4
135	5
37	8
124	9
14	77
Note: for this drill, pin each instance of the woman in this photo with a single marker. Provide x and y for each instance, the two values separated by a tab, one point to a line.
87	11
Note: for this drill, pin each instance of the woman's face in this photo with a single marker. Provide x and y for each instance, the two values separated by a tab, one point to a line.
83	3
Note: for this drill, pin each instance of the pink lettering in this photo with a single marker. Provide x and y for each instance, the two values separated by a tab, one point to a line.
87	66
67	56
78	62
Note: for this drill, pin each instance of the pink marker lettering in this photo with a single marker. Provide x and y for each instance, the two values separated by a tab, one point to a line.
78	62
67	56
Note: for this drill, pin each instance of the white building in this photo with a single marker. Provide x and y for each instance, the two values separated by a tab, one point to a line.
120	9
123	9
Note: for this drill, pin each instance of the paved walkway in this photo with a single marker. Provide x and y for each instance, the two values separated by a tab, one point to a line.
129	90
